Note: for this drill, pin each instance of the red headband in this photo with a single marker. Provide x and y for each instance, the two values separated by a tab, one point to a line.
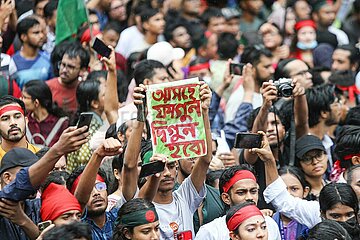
349	157
239	175
86	36
241	215
305	23
11	108
77	180
198	67
57	200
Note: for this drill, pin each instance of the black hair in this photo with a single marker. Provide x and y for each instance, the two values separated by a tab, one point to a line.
328	230
227	46
317	79
75	230
252	54
8	99
124	127
212	176
147	13
350	172
356	6
39	90
146	69
97	75
230	172
347	142
58	177
236	208
24	25
76	50
334	193
171	26
86	92
79	170
112	25
209	13
281	71
296	172
354	53
319	99
131	206
111	132
57	55
117	163
50	8
353	116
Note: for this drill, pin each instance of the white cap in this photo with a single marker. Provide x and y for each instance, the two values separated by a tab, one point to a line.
164	53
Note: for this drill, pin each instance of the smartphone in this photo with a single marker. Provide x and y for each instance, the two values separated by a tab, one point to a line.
43	225
100	47
186	235
248	140
236	68
84	120
151	168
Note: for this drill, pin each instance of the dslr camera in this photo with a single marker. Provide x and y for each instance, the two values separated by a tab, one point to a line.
284	88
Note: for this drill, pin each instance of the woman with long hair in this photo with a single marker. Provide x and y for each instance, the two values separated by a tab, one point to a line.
46	121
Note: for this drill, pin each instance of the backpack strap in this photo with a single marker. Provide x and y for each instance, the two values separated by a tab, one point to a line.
55	129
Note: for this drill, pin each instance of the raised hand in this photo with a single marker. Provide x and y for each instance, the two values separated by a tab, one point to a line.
205	95
109	147
110	63
71	140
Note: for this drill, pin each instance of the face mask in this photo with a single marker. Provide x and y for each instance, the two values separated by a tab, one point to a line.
307	46
351	226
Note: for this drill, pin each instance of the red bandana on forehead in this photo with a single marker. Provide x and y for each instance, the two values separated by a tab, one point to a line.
239	175
241	215
77	180
11	108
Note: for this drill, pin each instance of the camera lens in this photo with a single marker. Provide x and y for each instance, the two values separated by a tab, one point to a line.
286	90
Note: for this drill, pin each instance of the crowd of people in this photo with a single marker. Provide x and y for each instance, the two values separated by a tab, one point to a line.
286	70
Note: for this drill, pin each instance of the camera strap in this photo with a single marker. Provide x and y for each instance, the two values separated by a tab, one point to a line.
292	137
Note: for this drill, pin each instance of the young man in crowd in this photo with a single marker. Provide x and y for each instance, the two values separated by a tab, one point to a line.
13	125
72	67
30	63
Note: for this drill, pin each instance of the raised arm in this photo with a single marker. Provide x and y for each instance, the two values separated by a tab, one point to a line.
70	140
301	112
202	165
269	93
109	147
130	170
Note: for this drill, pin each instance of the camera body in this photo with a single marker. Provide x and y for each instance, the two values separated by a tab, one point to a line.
283	86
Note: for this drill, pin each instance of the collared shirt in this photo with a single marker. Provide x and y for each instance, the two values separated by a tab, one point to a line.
29	146
9	230
106	231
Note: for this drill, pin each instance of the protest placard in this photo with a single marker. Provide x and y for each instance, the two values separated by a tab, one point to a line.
175	116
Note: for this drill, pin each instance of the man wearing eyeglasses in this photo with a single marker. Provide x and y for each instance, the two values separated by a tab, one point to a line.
72	67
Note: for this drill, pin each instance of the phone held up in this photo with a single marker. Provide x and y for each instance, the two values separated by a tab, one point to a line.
84	120
151	168
101	48
236	68
43	225
248	140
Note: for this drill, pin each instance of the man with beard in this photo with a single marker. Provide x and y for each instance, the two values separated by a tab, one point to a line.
263	70
237	185
30	63
272	121
344	68
72	67
324	111
13	126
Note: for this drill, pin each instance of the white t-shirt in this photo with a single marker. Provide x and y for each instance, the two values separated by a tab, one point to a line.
217	230
181	210
113	200
236	99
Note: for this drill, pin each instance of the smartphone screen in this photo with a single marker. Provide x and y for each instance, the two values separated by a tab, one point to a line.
236	68
84	120
43	225
100	47
248	140
151	168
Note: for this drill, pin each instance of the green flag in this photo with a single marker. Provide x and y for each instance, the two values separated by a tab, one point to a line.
71	14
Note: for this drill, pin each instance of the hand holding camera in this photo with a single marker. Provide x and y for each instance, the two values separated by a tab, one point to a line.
284	87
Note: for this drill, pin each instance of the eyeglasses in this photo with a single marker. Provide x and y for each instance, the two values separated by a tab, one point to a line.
319	155
100	186
71	68
302	73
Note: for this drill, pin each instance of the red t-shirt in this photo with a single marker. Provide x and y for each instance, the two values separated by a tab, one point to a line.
64	96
